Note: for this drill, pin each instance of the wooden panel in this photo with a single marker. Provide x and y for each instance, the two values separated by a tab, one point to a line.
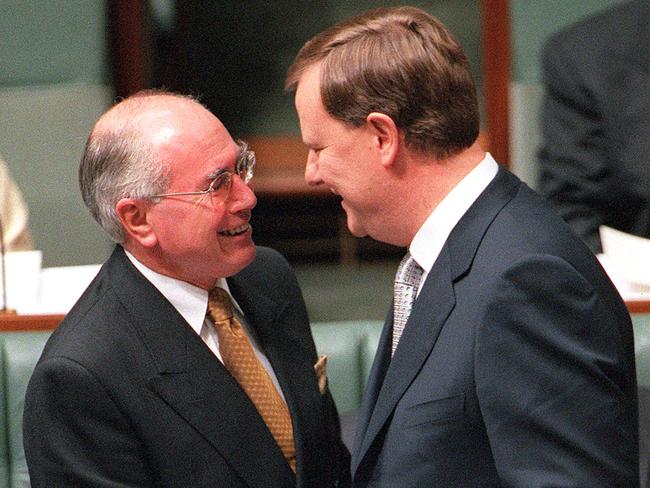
127	43
641	306
130	69
17	323
14	323
495	31
281	166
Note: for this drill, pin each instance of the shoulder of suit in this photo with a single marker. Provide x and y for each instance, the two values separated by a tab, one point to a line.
269	266
266	256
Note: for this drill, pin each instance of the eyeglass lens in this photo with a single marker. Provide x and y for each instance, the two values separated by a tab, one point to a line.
244	169
246	163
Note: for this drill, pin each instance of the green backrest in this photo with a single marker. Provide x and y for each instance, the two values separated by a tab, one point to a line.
19	353
641	323
4	446
350	347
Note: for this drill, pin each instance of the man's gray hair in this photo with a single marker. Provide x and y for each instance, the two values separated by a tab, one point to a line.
119	161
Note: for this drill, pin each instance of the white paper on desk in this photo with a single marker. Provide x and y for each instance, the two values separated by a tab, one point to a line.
61	287
22	277
626	258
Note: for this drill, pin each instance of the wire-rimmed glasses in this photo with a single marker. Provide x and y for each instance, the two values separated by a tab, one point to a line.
222	178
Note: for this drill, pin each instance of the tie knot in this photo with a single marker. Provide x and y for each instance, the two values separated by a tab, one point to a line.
409	271
219	305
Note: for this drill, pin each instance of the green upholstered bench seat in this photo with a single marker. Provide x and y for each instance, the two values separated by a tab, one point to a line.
641	324
350	347
19	352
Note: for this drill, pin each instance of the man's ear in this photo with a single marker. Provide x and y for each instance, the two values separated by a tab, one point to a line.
133	215
386	136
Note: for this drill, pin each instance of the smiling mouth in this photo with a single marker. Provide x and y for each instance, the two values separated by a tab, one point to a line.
236	231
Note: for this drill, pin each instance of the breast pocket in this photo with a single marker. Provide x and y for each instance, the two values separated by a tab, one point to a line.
435	411
434	426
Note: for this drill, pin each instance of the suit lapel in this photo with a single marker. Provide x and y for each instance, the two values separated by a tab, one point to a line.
196	385
375	380
390	378
435	302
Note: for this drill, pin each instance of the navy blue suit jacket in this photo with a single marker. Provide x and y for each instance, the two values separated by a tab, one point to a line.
127	394
515	368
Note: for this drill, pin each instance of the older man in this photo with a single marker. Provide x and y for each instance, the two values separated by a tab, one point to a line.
138	386
507	356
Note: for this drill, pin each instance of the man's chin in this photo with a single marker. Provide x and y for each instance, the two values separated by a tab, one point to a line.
355	228
233	263
248	255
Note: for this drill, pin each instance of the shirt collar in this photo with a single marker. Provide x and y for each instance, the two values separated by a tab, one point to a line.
433	234
190	301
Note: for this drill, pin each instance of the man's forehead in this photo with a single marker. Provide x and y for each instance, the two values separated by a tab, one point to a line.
308	87
308	101
149	111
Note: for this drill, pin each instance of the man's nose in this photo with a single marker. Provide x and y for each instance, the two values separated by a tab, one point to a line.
242	195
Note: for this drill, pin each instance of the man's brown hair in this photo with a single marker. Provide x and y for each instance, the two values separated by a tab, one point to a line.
404	63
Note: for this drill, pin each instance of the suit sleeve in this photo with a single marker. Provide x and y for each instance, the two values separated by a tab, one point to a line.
74	434
555	381
573	155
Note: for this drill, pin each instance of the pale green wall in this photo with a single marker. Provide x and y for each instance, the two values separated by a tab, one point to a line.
53	85
52	41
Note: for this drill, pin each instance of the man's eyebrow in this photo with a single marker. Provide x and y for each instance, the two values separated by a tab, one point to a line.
213	175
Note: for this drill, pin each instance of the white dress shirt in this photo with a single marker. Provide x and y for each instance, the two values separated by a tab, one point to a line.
431	237
192	303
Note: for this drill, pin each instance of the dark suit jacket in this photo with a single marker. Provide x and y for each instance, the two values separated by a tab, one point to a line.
595	158
515	368
127	394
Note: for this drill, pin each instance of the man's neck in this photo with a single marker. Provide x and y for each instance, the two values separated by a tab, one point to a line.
431	180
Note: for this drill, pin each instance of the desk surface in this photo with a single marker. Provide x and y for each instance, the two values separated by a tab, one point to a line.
641	306
11	322
15	323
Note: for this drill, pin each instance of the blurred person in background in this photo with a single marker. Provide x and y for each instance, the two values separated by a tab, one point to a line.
14	214
595	155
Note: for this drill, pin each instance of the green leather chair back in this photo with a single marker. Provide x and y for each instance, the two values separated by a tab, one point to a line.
350	347
19	352
641	323
4	443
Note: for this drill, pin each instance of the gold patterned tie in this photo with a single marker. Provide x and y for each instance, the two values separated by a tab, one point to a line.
239	358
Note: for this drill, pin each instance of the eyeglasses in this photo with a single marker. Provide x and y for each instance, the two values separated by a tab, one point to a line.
222	178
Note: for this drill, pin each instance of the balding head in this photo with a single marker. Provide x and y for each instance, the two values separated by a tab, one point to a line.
122	157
